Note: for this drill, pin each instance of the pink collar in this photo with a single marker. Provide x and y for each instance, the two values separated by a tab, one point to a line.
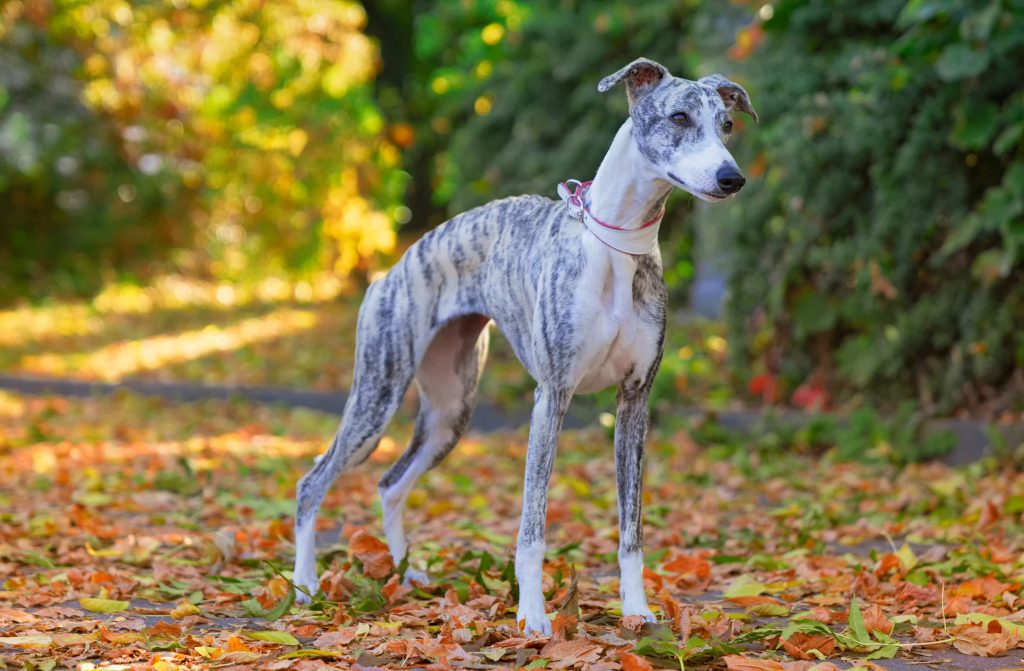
638	241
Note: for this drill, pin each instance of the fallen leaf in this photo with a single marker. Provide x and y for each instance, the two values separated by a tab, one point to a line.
26	641
984	640
273	636
800	645
373	553
564	654
632	662
184	609
103	605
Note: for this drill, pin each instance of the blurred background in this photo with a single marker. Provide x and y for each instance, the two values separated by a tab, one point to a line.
200	189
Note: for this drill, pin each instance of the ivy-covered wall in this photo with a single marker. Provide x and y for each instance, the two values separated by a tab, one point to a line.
879	246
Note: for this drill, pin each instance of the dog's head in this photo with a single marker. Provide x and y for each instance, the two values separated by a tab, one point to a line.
681	126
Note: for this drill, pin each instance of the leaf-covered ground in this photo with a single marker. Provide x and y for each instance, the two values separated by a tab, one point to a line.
133	531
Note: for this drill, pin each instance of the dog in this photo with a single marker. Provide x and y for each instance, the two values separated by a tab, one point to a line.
576	287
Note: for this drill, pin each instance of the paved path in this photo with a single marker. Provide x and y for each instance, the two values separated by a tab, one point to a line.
973	439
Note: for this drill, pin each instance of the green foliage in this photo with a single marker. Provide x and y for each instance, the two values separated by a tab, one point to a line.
232	137
72	203
881	244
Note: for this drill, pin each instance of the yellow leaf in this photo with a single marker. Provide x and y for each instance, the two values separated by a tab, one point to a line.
184	609
273	636
908	560
26	640
103	605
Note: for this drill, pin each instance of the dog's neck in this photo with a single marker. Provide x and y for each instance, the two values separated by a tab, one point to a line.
626	192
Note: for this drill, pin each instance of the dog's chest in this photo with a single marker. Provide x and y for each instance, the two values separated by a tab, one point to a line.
618	341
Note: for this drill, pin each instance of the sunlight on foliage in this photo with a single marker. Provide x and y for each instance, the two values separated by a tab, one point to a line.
259	113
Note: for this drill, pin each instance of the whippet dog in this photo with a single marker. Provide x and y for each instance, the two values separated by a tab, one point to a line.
576	286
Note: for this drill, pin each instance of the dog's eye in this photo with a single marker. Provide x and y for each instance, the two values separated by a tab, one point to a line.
727	127
681	119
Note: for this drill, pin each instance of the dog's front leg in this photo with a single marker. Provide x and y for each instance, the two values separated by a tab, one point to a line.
548	410
631	423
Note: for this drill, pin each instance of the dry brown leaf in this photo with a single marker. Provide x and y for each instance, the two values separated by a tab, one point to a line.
566	654
673	611
372	552
742	663
333	640
799	645
633	662
984	640
10	616
875	620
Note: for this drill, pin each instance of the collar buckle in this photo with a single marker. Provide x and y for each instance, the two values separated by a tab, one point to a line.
573	197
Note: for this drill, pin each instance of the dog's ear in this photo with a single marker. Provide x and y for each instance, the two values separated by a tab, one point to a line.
641	76
733	95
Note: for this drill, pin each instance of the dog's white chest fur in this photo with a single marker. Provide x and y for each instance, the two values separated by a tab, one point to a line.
616	340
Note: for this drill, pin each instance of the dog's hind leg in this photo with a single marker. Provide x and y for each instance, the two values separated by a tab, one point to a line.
447	381
384	369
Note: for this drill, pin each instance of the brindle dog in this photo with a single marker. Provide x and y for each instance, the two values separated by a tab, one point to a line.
578	292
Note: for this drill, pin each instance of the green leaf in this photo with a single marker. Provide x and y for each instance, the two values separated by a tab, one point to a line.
856	622
1010	137
887	648
768	610
958	61
539	663
253	608
273	636
803	626
976	126
744	585
103	605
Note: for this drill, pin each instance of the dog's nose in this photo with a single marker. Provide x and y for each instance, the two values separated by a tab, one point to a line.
730	180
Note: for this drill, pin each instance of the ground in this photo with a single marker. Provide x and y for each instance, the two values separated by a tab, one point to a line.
138	531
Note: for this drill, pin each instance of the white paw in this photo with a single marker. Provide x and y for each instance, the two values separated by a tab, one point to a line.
638	609
412	574
310	583
533	620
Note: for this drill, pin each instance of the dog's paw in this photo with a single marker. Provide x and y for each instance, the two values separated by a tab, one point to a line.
310	584
533	621
412	575
638	610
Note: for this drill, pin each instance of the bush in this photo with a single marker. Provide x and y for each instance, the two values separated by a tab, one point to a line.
880	246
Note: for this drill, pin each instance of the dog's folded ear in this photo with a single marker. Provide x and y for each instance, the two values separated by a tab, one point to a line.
641	77
733	95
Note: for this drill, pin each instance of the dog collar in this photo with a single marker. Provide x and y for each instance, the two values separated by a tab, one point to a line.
639	241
